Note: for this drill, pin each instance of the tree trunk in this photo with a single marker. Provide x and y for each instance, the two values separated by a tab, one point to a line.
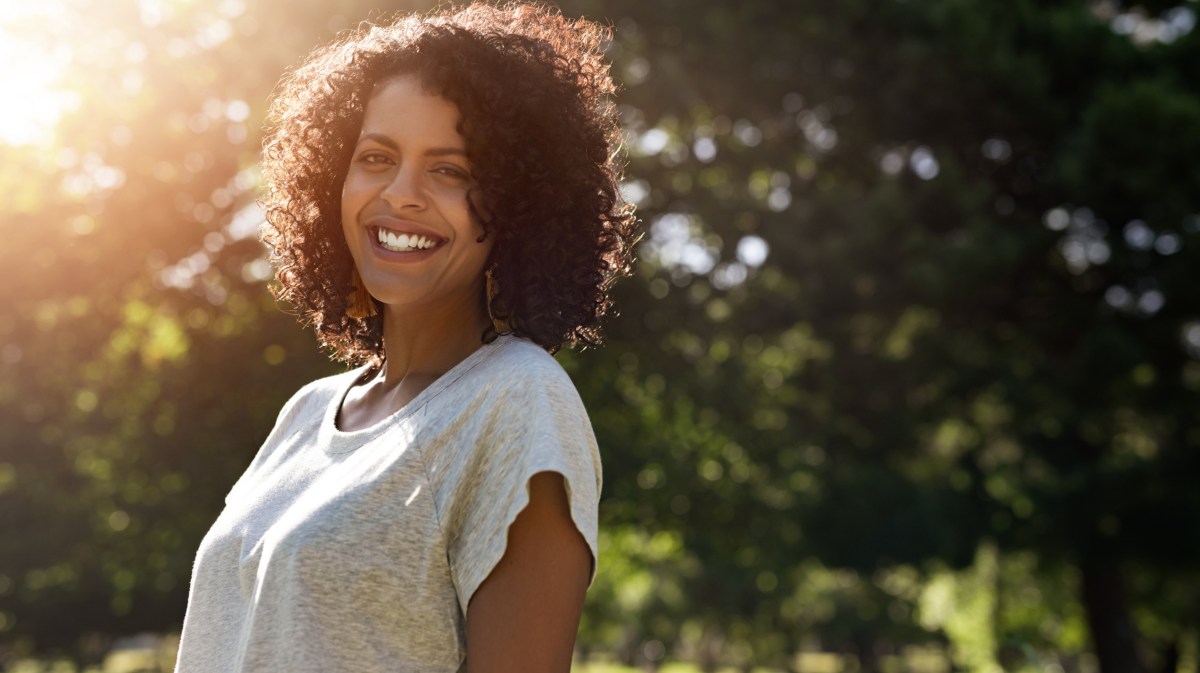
1114	636
1170	662
864	649
711	642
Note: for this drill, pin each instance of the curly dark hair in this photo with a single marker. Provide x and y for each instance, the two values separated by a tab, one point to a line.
541	129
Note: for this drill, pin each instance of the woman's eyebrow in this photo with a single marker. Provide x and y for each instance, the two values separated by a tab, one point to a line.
391	145
381	139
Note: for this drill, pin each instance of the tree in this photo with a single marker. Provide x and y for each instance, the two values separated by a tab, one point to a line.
945	345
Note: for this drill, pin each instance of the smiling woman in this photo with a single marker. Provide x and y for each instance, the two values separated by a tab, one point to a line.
442	206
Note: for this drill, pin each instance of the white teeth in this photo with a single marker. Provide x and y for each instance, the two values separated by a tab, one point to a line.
403	242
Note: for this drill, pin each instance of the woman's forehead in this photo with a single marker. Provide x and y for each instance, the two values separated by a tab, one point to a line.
402	105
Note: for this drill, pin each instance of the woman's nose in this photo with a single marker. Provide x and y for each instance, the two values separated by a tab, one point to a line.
405	190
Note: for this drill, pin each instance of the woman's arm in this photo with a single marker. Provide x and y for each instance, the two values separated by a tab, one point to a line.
525	615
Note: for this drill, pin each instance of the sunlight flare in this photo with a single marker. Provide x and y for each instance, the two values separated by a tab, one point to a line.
32	70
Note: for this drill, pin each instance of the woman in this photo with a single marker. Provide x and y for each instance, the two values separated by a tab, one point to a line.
442	206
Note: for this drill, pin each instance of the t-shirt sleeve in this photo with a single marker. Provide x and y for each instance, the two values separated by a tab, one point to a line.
537	425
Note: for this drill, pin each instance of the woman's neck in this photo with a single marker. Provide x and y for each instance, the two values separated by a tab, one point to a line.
424	343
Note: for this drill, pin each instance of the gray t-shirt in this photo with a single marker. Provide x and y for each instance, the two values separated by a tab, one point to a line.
360	551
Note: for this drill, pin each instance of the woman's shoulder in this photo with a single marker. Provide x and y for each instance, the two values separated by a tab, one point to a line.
328	385
319	393
517	404
519	364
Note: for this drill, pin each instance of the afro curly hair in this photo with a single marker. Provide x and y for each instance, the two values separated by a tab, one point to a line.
542	135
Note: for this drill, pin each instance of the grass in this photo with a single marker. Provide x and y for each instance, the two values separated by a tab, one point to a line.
146	657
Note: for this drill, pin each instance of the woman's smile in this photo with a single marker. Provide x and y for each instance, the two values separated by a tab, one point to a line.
389	240
404	237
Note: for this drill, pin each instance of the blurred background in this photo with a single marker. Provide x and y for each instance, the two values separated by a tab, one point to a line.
908	377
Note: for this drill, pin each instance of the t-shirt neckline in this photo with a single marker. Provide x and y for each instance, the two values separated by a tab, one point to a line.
336	440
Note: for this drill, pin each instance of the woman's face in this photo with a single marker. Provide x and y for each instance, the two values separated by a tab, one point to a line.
404	203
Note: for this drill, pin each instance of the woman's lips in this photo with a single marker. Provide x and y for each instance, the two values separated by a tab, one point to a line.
399	226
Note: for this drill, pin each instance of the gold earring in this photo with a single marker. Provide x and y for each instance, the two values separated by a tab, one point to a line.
360	304
501	325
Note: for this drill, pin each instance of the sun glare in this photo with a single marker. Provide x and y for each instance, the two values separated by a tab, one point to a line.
29	76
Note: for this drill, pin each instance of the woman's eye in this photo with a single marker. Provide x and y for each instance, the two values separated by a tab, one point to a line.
373	158
452	171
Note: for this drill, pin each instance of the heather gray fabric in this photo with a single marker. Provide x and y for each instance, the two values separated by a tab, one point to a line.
359	551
